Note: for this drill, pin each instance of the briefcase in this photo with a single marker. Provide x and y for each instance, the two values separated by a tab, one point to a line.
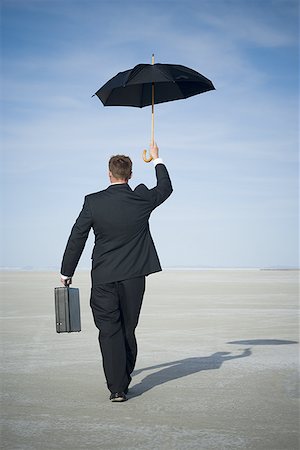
67	309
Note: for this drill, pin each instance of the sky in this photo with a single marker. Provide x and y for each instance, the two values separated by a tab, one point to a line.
232	153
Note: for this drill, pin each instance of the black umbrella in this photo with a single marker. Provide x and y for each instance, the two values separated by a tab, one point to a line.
147	84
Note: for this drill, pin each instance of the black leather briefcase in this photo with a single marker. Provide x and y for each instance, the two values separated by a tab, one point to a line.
67	309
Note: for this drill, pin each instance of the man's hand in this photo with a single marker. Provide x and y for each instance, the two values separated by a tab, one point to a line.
154	150
66	281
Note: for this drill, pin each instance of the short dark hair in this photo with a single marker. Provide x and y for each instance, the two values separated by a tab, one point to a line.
120	167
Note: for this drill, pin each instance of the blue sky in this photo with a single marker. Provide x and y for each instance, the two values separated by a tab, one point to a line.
232	153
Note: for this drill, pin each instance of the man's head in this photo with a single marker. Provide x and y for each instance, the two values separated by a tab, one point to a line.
120	168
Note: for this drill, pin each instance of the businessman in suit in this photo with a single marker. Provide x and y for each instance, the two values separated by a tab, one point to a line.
123	255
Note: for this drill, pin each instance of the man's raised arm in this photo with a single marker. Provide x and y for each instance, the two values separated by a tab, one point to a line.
163	188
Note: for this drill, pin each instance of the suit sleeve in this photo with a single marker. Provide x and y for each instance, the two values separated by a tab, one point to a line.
163	188
77	240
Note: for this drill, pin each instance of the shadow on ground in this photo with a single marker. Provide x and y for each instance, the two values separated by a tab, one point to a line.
178	369
174	370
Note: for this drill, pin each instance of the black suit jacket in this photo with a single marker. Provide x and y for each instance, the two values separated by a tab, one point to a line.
119	217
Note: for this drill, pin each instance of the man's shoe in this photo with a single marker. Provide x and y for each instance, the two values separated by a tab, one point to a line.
118	397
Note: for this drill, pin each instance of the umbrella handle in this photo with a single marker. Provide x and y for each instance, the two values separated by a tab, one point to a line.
147	160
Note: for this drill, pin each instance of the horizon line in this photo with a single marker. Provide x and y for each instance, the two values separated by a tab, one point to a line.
179	268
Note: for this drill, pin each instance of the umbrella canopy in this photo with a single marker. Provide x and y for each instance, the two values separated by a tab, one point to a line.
133	87
148	84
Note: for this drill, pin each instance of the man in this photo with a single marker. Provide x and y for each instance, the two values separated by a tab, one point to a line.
123	255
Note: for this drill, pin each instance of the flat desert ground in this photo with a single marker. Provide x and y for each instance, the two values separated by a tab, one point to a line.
217	368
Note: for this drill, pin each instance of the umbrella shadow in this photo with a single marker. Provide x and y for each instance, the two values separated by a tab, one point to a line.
174	370
263	342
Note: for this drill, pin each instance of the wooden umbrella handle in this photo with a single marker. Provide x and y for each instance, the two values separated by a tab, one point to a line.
147	160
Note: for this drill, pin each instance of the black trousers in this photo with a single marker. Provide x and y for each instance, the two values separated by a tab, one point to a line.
116	309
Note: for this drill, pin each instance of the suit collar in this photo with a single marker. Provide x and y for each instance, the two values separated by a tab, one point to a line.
119	186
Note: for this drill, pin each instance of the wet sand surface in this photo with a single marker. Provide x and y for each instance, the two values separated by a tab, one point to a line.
217	366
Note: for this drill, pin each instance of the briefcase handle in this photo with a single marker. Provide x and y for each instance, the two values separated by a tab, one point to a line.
68	282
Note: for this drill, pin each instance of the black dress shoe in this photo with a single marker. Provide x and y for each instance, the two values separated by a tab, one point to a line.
118	397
